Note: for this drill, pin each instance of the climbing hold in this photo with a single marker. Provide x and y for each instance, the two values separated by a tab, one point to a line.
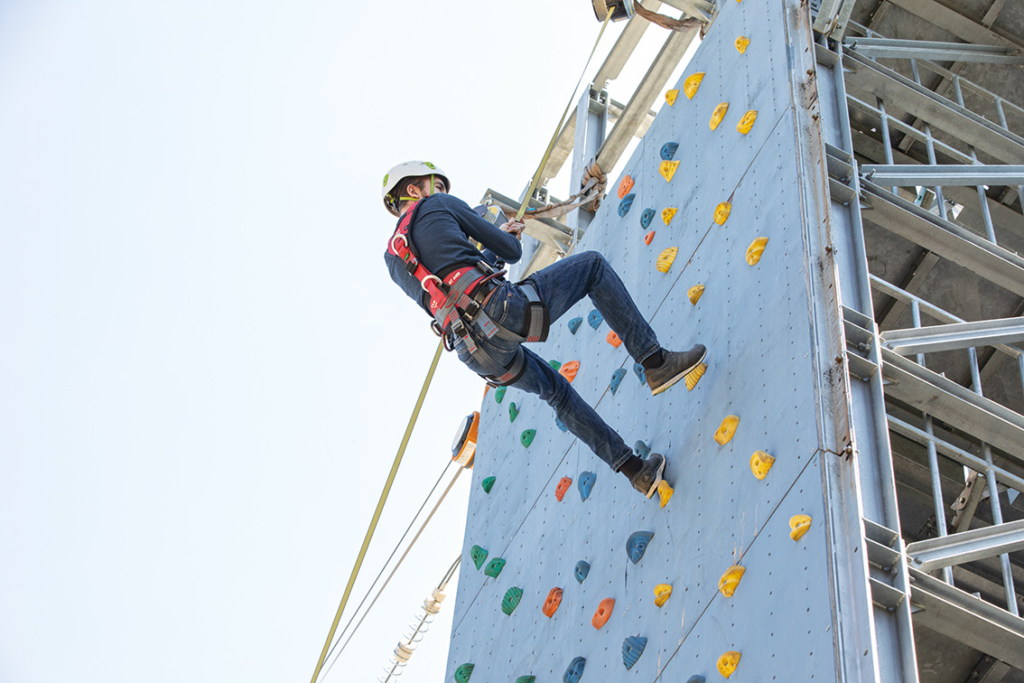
554	599
569	370
613	339
693	293
494	567
575	670
727	663
727	429
511	600
603	613
632	648
747	122
662	592
526	438
625	185
554	365
730	580
722	212
561	426
798	526
488	484
499	394
640	374
671	95
667	169
648	238
666	214
641	449
636	546
668	150
581	571
563	485
694	376
665	492
646	217
463	673
691	84
594	318
665	259
478	555
755	250
718	114
513	412
574	325
586	484
626	202
532	679
616	379
741	44
760	463
694	679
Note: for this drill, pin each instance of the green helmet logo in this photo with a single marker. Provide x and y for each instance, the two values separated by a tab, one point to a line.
430	165
386	179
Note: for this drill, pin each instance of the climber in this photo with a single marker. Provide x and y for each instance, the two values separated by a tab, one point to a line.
486	318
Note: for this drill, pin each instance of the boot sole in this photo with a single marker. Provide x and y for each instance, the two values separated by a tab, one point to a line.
658	478
681	375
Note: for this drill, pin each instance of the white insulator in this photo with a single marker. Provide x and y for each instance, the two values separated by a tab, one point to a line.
403	652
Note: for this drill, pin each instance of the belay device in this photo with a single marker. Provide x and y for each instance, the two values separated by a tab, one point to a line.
621	9
464	445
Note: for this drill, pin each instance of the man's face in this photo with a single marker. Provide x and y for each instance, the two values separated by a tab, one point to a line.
423	190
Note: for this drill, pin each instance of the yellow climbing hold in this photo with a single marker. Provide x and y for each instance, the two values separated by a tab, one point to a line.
718	114
722	212
662	592
755	250
741	44
727	429
730	579
665	492
666	214
691	84
668	169
671	95
798	526
666	258
694	293
760	463
747	122
727	662
694	376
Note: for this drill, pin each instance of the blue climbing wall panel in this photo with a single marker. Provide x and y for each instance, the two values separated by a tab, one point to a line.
755	322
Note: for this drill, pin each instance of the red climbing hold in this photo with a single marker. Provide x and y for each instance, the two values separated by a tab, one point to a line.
552	603
625	186
648	238
569	370
563	485
613	339
603	613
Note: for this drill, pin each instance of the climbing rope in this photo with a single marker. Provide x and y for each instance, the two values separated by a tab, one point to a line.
380	508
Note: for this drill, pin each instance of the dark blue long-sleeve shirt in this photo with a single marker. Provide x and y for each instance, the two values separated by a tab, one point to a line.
441	228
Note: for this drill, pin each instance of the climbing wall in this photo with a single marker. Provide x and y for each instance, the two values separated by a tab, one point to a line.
717	582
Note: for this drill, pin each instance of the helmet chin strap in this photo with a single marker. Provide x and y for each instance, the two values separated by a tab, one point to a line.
416	199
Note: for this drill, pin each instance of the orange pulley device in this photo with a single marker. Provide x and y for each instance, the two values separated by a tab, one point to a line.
464	445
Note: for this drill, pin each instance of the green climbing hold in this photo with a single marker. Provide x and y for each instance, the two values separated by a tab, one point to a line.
478	555
511	600
463	673
526	679
526	438
499	394
488	483
555	365
494	567
513	412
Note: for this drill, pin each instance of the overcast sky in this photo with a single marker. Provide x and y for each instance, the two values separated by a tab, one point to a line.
204	368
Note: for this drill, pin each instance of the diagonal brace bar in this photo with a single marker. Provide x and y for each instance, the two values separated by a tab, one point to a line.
935	51
907	175
954	336
967	546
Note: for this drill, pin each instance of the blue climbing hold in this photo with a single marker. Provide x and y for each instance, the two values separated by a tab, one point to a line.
575	670
499	394
695	679
641	449
488	484
478	555
574	325
626	202
594	318
636	546
668	150
463	673
641	375
558	423
526	679
632	648
617	379
511	600
646	217
555	365
586	484
494	567
513	412
581	571
526	438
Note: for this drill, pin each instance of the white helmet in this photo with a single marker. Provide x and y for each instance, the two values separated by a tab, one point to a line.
406	170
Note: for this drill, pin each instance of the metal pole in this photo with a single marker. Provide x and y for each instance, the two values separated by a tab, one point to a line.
982	197
930	146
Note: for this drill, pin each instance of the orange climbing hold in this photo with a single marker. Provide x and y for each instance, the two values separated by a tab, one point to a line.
648	238
613	339
569	370
553	601
603	613
625	186
563	485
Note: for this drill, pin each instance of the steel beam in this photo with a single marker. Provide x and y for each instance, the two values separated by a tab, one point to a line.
954	336
930	175
968	546
954	22
891	48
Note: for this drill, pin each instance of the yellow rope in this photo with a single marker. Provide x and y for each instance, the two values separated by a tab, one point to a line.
380	508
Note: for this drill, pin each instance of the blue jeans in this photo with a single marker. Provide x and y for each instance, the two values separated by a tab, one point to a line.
561	285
